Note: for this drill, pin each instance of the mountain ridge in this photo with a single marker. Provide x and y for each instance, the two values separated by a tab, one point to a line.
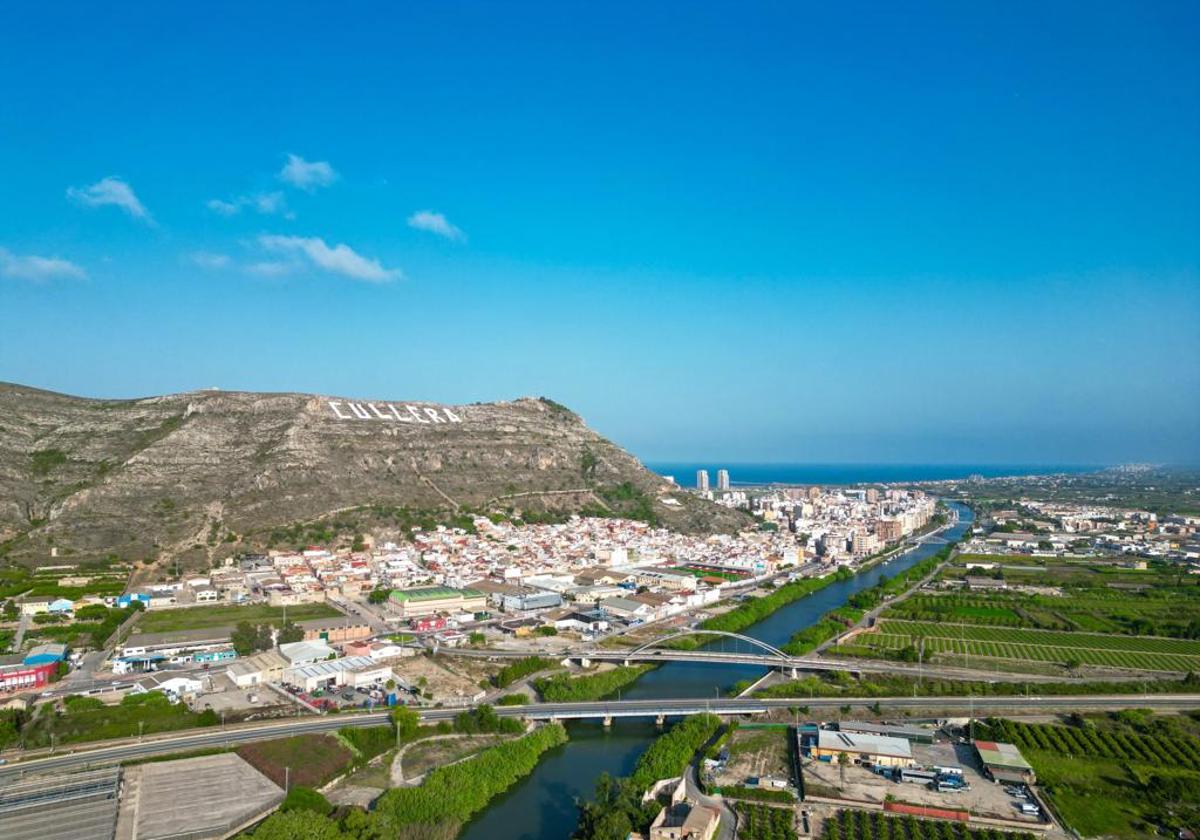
201	474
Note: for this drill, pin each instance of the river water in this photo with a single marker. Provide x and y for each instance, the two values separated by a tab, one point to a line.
542	806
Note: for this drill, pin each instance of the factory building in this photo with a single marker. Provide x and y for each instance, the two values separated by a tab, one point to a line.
428	600
863	749
353	671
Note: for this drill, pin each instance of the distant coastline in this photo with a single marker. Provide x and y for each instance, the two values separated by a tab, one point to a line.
755	474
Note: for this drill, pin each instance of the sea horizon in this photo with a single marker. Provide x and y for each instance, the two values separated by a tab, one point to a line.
757	473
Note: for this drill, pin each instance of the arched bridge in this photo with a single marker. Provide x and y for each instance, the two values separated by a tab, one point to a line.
655	644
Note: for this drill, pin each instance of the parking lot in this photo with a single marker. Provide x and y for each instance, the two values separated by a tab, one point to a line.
345	697
984	798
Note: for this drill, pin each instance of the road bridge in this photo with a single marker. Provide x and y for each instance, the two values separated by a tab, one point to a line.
790	665
929	707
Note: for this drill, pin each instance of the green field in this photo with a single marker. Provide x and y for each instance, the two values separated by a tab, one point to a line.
1049	646
1117	776
199	618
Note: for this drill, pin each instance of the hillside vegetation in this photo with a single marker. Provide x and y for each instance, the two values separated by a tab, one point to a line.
203	475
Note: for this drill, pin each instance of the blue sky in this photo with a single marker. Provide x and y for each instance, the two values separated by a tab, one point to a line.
749	231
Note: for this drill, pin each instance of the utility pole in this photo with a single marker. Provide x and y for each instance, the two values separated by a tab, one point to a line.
141	726
287	777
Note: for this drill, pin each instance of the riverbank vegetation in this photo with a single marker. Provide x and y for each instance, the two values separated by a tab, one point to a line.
754	610
455	793
831	624
618	808
436	810
563	688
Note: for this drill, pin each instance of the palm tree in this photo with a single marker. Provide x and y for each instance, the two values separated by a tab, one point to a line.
843	760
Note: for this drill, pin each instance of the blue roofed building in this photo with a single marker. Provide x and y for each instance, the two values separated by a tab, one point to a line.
45	654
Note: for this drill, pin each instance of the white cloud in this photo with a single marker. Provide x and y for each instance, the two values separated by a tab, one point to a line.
307	174
37	268
268	204
269	268
111	190
340	259
224	208
207	259
436	223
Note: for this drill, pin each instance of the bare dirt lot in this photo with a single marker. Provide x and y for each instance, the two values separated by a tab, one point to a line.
756	753
445	678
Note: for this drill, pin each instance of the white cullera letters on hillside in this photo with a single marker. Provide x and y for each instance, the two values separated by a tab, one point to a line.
390	413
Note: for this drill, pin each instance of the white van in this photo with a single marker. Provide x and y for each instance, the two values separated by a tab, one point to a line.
1030	809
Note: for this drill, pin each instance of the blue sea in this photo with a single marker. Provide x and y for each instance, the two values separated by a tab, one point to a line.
685	473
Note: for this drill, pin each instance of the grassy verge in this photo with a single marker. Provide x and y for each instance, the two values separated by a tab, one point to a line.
199	618
307	760
87	719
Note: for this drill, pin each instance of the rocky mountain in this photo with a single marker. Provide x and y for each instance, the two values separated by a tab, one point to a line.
205	474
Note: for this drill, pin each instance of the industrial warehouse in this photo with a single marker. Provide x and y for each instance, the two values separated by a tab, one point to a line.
897	766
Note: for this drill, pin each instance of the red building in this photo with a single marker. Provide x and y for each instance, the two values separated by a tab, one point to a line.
427	624
26	677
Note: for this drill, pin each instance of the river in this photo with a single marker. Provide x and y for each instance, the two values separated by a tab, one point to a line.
542	806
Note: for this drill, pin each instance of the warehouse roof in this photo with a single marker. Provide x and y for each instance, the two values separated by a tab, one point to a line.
997	754
850	742
333	667
433	593
912	733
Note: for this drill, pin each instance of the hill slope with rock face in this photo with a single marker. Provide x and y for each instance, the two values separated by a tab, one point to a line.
206	473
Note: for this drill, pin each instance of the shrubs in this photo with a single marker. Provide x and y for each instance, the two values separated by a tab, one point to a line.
520	669
301	798
565	689
759	794
366	742
87	719
484	719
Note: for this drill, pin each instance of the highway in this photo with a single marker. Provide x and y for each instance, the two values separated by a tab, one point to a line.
178	742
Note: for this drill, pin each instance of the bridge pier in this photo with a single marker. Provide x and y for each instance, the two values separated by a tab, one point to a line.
608	721
660	721
627	662
584	662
